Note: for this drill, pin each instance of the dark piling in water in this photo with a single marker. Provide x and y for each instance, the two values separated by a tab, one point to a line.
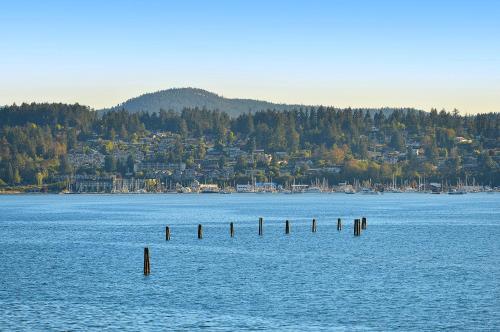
339	224
167	233
313	227
147	267
200	232
363	223
287	227
261	226
231	229
357	227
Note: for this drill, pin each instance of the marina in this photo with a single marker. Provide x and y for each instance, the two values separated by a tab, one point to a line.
121	186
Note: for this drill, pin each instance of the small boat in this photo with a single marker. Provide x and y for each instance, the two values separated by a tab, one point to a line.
209	191
349	189
313	190
457	192
393	191
368	191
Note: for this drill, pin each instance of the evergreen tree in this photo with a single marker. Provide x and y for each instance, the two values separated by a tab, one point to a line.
109	164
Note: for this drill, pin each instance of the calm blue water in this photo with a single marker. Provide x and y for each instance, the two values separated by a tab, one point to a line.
74	262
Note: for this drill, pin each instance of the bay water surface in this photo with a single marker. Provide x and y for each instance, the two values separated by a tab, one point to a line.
75	262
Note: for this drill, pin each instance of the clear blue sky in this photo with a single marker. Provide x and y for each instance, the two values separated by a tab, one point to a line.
424	54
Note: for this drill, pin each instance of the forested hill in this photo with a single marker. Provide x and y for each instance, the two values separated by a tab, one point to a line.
182	98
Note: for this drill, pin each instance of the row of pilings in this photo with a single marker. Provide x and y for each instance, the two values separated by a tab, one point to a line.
359	225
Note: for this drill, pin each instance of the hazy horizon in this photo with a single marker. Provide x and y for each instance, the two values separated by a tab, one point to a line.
337	53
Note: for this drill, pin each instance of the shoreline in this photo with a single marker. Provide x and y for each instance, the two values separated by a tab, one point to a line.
12	193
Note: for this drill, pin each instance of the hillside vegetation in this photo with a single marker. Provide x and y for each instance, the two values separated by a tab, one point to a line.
39	143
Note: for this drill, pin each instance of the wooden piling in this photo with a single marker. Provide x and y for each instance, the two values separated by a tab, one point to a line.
357	227
287	227
363	223
231	229
313	227
147	267
261	226
167	233
200	232
339	224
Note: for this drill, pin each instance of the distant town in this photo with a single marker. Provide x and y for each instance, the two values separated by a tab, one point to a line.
72	149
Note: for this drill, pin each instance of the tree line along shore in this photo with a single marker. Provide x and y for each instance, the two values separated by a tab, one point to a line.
56	147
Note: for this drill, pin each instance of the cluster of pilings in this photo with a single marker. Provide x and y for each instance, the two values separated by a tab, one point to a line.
359	224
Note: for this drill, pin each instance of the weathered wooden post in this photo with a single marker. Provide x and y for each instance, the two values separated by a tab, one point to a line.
200	232
363	223
339	224
231	229
357	227
313	227
167	233
287	227
147	268
261	225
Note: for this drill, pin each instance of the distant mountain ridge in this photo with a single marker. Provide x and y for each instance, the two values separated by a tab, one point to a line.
177	99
